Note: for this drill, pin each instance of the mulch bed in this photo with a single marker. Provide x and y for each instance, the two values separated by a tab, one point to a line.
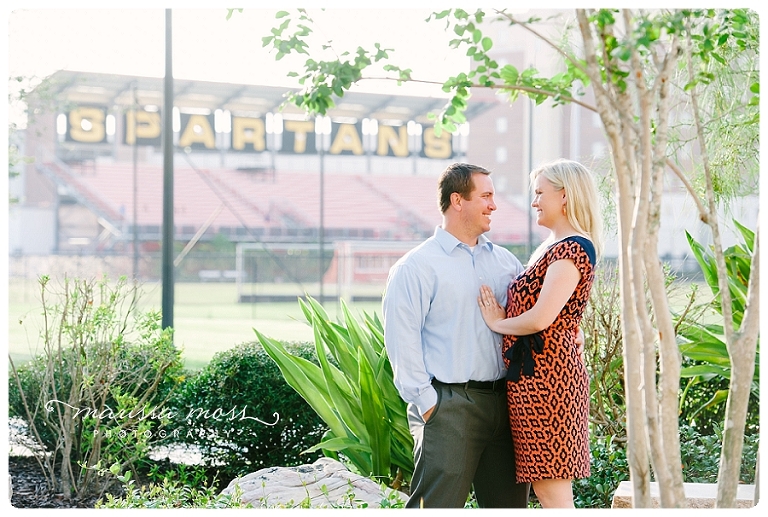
31	491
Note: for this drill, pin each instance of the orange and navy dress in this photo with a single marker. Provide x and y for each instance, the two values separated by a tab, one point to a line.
547	382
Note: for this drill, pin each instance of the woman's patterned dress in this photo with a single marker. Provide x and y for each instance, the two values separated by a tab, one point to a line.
547	382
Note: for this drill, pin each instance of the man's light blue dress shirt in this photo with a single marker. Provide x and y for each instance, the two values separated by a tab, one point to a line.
433	327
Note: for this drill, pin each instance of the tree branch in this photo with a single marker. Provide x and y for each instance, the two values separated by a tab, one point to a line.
703	213
543	38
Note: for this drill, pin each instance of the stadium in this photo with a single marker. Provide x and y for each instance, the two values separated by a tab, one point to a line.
247	172
261	192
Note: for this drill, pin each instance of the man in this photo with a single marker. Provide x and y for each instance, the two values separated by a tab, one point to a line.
447	363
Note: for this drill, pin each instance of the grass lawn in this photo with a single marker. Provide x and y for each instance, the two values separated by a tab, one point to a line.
207	318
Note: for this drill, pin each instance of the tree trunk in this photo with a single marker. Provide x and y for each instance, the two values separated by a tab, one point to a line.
742	353
622	154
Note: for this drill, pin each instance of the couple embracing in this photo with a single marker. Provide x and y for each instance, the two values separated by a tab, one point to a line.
487	353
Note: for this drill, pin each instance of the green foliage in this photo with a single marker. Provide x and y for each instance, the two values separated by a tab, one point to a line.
701	454
354	394
96	392
703	345
176	489
321	79
603	350
245	379
184	487
609	468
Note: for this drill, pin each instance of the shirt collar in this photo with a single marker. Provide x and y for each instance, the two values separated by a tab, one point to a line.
448	242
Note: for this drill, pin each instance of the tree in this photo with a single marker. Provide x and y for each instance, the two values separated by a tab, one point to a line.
659	79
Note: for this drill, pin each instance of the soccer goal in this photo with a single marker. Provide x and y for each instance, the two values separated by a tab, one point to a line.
349	270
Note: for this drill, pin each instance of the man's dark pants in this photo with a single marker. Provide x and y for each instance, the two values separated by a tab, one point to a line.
466	442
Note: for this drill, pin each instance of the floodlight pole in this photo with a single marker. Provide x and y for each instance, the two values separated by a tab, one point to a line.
529	247
167	255
321	231
135	183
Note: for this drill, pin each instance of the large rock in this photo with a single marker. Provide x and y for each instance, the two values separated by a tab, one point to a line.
324	484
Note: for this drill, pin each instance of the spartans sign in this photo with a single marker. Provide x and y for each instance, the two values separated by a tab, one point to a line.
248	134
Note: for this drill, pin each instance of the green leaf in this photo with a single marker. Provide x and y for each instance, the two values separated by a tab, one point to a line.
509	74
705	370
374	418
306	378
338	444
487	43
707	264
281	14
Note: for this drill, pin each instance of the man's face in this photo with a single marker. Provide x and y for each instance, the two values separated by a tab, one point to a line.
476	211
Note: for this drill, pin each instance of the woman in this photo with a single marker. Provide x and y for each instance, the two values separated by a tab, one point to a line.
547	383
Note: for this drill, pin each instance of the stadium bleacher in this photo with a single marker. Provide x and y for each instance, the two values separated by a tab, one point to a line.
369	206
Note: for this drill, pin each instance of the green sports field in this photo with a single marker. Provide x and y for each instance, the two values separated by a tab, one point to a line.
207	317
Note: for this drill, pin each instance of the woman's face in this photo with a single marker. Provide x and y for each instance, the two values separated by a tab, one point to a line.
547	201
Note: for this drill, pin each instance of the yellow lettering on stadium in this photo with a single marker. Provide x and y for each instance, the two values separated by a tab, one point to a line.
248	130
347	139
198	130
435	147
94	122
388	139
142	125
299	128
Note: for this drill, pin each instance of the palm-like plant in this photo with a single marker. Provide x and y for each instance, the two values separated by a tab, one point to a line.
705	343
353	391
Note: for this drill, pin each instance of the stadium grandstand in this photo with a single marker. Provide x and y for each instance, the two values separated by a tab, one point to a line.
247	171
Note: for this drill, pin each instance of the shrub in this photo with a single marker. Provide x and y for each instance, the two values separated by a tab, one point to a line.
355	394
94	394
245	381
609	468
700	454
707	364
603	350
176	489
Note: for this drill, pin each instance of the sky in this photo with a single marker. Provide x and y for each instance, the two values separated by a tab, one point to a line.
128	39
208	47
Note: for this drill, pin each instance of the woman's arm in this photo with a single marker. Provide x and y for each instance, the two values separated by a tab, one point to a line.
559	283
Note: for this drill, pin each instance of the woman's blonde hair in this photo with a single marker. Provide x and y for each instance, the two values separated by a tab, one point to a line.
582	205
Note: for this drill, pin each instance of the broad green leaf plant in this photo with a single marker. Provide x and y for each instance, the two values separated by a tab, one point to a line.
705	343
353	391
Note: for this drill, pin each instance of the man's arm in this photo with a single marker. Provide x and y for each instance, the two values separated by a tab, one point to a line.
404	308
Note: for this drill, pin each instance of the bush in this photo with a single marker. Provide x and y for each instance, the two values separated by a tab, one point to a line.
707	364
609	468
96	392
176	489
244	381
700	454
603	350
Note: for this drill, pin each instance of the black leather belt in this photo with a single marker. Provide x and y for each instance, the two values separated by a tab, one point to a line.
497	385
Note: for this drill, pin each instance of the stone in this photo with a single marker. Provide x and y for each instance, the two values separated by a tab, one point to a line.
324	484
698	495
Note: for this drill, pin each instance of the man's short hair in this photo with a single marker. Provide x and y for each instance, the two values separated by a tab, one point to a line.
457	177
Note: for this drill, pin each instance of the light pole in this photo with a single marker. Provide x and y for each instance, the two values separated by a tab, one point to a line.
529	248
322	137
167	260
135	182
